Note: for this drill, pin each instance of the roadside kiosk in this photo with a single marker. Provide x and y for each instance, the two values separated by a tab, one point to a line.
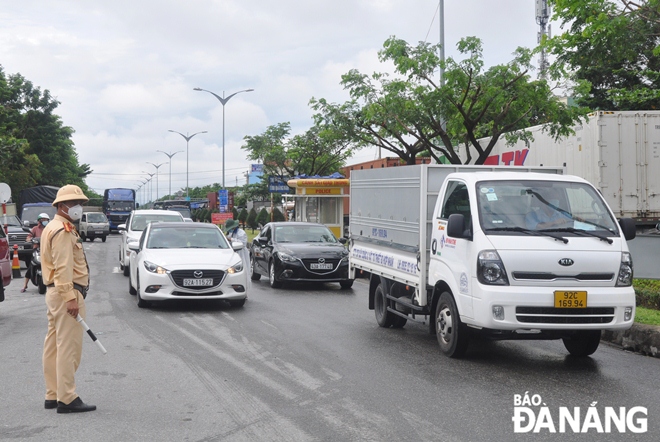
319	200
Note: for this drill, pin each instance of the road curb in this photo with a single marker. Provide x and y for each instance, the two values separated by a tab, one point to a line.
639	338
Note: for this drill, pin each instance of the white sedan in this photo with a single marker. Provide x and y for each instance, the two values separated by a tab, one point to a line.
186	261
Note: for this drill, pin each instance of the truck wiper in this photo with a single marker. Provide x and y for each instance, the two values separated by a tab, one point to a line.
582	232
527	231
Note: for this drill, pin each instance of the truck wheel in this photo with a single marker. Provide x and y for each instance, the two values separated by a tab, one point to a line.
383	317
41	287
83	236
399	322
103	238
274	283
583	343
452	334
253	274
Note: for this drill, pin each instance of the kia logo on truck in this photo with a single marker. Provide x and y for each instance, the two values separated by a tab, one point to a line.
566	262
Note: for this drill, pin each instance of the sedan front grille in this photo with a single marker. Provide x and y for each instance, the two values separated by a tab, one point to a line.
179	275
552	315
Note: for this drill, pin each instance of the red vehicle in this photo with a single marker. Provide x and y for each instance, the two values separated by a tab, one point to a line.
5	263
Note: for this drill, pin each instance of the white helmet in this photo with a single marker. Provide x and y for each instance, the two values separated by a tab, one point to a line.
43	216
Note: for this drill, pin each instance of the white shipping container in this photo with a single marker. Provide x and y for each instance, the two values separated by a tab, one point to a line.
617	152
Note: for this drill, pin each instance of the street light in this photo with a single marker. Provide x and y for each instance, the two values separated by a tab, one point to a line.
157	166
224	101
187	138
151	192
170	155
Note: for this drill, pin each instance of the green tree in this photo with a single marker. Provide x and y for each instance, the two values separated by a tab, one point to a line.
252	220
263	217
19	170
319	151
411	113
278	215
234	212
612	47
27	116
243	216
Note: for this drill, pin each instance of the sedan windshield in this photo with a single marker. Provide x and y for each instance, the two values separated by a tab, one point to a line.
303	234
188	237
539	207
139	222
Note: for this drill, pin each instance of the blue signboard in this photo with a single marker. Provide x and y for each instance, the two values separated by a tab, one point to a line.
275	185
223	200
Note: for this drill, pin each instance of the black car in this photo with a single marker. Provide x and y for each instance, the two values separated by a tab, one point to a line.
17	235
299	252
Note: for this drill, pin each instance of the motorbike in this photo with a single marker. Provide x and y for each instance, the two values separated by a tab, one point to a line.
37	278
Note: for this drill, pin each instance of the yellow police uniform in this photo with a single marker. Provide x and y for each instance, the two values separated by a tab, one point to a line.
63	263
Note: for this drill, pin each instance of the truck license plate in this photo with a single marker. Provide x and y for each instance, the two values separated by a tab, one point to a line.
202	282
570	299
319	266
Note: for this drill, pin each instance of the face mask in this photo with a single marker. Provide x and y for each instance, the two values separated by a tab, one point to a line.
43	223
75	212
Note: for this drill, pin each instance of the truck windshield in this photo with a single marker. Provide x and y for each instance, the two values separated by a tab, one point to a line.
31	213
507	207
120	206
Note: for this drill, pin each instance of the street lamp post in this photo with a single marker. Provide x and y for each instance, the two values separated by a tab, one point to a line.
170	155
157	166
224	101
187	138
151	192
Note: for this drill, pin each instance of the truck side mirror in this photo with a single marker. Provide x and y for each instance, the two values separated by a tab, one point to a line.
628	228
456	227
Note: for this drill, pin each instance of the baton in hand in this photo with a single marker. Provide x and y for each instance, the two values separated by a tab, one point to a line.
91	333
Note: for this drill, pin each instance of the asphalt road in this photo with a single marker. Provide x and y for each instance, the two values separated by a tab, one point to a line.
302	363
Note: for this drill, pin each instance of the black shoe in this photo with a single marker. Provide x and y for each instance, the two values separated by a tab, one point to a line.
50	404
76	406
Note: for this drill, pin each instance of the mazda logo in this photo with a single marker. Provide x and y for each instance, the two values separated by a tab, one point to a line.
198	273
566	262
321	260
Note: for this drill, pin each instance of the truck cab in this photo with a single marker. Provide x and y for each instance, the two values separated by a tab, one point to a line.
93	225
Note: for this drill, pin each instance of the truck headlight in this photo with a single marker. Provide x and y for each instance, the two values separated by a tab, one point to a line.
625	271
490	268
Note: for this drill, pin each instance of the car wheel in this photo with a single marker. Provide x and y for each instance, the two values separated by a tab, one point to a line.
127	270
254	275
140	302
103	238
274	283
383	317
583	343
121	261
237	302
131	289
346	284
2	290
452	334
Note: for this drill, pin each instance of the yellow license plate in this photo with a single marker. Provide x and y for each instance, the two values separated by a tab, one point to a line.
570	299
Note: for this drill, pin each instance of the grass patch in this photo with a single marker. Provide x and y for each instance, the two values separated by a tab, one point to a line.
647	292
647	316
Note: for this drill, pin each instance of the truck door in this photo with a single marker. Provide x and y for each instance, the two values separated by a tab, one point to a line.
454	253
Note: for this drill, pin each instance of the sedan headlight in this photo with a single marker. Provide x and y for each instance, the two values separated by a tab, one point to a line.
625	271
490	268
154	268
285	257
236	268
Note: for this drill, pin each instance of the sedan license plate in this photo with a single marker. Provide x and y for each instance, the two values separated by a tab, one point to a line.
570	299
319	266
202	282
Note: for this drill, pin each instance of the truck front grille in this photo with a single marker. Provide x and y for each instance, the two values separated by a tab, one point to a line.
547	276
552	315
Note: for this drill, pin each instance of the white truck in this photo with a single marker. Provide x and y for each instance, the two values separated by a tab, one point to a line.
500	252
617	152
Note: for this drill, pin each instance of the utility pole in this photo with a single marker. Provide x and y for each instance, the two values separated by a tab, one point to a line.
542	19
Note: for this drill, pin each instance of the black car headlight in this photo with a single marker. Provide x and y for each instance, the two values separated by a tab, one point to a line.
284	257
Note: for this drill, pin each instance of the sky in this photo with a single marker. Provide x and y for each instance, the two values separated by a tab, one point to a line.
124	71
